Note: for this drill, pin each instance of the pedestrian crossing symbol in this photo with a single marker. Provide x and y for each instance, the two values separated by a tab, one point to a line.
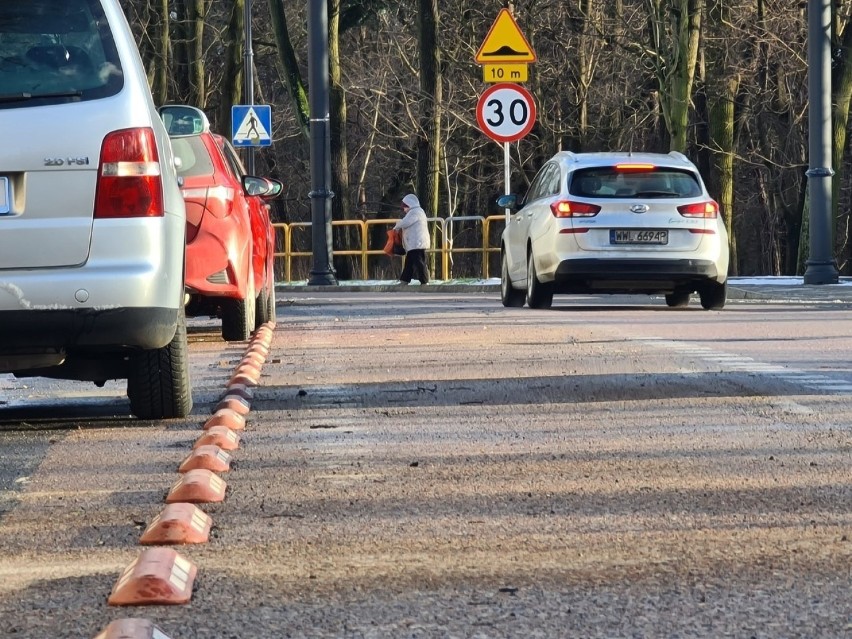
251	125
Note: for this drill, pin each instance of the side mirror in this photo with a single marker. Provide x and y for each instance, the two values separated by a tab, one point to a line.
267	188
508	201
182	120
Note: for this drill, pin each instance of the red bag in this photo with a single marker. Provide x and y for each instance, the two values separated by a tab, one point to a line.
394	244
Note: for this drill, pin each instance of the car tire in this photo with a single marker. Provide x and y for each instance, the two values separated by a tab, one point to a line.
713	295
158	383
238	316
539	295
265	307
510	296
678	299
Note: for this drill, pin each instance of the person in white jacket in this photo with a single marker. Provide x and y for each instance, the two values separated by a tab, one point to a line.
415	240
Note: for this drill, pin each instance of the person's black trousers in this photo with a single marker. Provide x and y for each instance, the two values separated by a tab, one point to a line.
415	267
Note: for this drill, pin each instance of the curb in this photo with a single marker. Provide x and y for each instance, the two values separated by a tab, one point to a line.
796	294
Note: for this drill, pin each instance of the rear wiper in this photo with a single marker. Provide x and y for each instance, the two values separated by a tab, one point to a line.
23	97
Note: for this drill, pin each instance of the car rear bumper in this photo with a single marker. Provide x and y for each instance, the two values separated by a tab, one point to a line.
634	275
210	271
69	329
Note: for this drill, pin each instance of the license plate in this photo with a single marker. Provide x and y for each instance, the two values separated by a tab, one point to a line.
638	236
5	196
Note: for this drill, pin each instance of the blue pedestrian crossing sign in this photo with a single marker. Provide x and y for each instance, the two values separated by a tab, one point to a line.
251	125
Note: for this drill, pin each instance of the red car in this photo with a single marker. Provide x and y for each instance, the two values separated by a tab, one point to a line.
230	241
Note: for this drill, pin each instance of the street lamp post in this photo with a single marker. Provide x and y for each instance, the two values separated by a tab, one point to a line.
821	265
248	56
318	96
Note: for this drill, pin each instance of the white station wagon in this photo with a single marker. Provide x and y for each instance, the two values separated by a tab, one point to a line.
614	223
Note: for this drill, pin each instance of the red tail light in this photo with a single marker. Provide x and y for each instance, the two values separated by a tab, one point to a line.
709	209
129	180
567	208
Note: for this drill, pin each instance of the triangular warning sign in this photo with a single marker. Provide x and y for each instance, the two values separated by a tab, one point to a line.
251	129
504	43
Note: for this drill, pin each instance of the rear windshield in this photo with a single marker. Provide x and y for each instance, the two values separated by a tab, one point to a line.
648	183
193	157
54	51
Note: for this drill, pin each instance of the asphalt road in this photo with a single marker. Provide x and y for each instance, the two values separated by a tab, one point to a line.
433	465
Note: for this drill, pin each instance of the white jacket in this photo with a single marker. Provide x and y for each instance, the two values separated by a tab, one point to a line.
415	230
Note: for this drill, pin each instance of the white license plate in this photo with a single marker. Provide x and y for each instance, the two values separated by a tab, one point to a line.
5	196
638	236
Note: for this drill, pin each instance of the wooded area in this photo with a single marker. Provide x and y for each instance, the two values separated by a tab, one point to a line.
724	81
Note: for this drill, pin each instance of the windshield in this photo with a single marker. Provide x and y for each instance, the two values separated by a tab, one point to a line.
651	182
55	51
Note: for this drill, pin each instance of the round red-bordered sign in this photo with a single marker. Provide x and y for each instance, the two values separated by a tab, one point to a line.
505	112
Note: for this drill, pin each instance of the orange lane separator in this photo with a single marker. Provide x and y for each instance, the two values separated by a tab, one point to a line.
178	524
209	457
240	390
253	359
248	375
198	487
220	436
132	629
234	403
226	417
244	379
258	349
157	576
264	338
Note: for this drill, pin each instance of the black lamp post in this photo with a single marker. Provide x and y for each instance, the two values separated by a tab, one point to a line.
248	56
822	268
321	194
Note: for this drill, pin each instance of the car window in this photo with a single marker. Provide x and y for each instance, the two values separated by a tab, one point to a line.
649	183
232	158
545	183
54	51
194	158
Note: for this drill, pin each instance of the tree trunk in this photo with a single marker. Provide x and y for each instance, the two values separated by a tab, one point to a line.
841	98
345	238
722	86
160	67
431	102
232	86
675	27
288	67
198	78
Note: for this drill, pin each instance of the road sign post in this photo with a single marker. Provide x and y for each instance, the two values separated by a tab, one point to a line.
506	111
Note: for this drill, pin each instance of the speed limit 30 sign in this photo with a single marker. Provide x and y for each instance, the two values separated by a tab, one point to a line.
505	112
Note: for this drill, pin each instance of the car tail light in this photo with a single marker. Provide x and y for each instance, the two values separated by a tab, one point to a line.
129	179
709	209
568	208
627	168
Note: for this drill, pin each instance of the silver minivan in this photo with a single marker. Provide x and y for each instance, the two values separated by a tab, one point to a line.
92	221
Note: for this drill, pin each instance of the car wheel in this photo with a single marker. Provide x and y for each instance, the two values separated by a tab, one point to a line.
713	295
158	380
539	295
238	316
265	306
678	299
510	296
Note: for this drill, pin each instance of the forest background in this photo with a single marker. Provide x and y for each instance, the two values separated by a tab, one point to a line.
723	81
